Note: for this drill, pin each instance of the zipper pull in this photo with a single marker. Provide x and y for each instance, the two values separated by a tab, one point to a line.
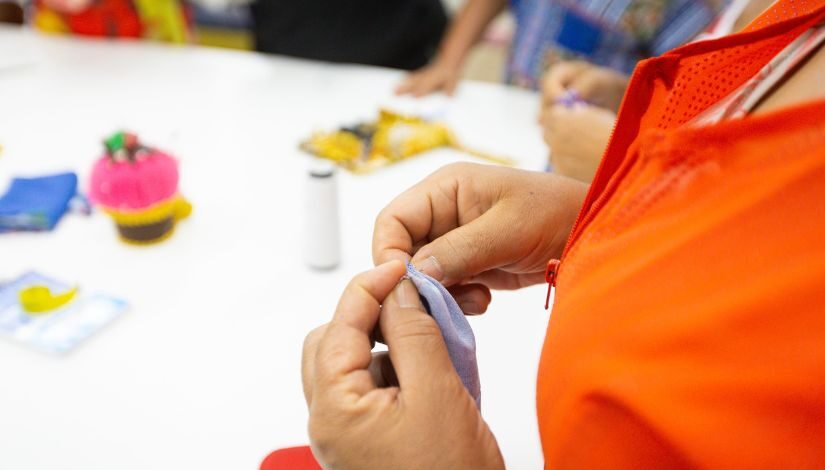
550	276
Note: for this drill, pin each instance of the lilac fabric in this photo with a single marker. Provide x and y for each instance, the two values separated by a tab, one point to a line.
461	343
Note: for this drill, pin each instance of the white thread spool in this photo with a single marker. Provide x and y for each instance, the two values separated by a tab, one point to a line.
322	244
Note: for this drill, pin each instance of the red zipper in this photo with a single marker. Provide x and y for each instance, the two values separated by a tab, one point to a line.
550	276
551	273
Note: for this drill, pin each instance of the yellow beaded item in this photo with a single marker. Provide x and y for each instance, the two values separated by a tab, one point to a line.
391	138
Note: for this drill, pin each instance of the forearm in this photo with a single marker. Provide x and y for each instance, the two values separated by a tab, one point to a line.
466	29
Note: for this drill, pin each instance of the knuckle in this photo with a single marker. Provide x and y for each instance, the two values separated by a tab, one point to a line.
356	284
417	328
458	244
382	216
456	168
313	337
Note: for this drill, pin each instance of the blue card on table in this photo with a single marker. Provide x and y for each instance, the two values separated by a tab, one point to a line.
60	329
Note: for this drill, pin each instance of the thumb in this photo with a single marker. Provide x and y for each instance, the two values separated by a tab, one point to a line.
416	346
488	242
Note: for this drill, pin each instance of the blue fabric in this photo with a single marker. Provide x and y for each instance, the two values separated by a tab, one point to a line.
579	34
36	203
461	343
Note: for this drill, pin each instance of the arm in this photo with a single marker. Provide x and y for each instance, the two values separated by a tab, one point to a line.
444	72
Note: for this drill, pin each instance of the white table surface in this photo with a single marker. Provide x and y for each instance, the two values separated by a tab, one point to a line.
203	370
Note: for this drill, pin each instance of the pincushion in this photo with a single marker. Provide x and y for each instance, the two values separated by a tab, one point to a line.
138	187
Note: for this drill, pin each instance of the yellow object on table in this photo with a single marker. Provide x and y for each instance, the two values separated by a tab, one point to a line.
393	137
39	299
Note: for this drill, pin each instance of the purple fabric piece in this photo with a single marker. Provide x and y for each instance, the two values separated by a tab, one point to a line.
461	343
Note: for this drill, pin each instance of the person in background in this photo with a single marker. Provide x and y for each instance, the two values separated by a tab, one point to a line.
165	20
604	32
577	131
398	34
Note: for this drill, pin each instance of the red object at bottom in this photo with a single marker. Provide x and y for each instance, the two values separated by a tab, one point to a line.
293	458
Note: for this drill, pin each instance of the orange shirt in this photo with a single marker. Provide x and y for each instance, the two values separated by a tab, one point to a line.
689	322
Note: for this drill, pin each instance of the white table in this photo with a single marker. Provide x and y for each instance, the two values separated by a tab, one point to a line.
203	371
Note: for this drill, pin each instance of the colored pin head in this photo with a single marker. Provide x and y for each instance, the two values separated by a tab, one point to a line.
123	146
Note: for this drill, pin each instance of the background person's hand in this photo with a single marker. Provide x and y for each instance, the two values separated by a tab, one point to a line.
403	409
478	227
597	85
438	76
577	137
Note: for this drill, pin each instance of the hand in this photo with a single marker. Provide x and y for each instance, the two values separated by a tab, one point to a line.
597	85
405	409
477	227
577	137
438	76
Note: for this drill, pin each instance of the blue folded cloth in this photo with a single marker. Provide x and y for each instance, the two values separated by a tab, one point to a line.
36	203
461	343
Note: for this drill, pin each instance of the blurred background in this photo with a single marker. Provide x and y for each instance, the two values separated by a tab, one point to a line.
230	24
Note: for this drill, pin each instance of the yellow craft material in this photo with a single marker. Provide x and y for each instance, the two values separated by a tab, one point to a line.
177	207
49	22
394	138
163	19
39	299
340	146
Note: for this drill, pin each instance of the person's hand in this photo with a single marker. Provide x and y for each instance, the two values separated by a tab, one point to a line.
440	75
477	227
597	85
401	409
577	137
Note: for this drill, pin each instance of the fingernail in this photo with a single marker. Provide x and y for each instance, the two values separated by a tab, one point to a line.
431	267
471	308
406	295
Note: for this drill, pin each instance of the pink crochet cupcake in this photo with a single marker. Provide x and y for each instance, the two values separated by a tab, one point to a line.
138	187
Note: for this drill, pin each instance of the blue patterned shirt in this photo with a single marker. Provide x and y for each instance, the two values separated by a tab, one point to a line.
612	33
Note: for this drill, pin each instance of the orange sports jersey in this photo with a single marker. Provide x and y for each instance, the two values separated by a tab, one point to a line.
688	328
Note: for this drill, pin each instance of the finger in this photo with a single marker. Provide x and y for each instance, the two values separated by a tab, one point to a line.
501	280
550	116
416	346
345	346
559	79
361	301
473	299
483	244
399	226
543	115
382	371
425	211
408	83
428	84
451	84
454	195
554	84
556	120
308	360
